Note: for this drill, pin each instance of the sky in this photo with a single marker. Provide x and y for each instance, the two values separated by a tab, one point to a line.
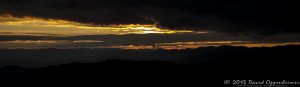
147	24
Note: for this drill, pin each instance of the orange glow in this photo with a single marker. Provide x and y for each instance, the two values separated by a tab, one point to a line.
37	44
267	44
10	25
194	45
27	25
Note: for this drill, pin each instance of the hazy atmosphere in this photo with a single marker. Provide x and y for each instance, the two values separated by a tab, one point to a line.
79	36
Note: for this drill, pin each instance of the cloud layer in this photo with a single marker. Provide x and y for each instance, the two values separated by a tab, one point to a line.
255	17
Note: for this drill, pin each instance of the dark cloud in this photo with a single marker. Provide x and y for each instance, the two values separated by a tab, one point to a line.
151	39
255	17
22	37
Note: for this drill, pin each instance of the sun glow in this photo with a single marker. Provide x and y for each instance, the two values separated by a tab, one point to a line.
32	25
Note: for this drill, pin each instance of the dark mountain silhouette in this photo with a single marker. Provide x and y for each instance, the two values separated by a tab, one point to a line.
203	66
211	55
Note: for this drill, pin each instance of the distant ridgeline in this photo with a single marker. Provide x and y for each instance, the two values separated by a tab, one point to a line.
223	62
203	55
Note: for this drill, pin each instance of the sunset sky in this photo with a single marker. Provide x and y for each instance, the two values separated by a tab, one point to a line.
151	24
159	41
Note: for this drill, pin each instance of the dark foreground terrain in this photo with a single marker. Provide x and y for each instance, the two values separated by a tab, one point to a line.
225	63
150	73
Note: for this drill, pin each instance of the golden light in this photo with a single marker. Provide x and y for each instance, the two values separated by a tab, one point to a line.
30	25
10	25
